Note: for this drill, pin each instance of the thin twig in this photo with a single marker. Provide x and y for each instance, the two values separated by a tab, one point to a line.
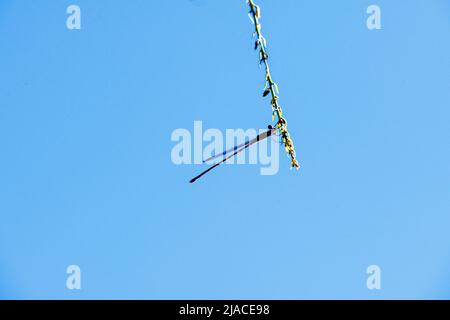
271	87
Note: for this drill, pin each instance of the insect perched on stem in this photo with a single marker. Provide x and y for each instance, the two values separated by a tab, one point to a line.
270	88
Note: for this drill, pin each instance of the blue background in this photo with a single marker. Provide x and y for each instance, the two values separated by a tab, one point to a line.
86	176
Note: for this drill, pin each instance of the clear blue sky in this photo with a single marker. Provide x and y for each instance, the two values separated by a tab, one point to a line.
86	176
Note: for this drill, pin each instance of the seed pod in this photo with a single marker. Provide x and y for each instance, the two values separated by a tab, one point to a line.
258	12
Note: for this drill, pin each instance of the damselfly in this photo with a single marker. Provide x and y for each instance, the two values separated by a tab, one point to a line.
239	148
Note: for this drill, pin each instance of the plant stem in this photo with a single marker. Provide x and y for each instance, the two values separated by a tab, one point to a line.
281	123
